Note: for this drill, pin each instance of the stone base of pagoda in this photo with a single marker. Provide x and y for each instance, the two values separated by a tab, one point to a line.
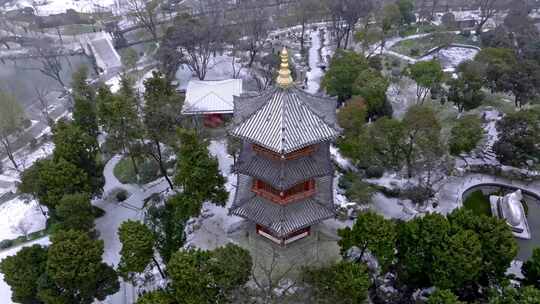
292	237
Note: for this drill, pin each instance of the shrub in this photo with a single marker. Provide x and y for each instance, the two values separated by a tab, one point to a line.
6	244
466	33
121	195
415	52
374	172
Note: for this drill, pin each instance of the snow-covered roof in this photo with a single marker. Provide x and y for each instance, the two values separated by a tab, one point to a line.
287	119
211	97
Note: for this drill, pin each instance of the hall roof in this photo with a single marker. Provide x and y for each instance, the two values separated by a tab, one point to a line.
211	97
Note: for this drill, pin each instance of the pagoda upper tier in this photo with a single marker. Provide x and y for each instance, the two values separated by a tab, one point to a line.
284	119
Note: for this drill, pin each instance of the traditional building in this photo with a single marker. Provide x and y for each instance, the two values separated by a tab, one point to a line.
285	174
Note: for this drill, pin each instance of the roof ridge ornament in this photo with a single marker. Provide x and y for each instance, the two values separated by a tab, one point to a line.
284	79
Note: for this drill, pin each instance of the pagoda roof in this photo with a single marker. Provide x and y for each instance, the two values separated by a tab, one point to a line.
283	174
284	219
285	119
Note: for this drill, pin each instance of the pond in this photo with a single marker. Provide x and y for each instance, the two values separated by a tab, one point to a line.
533	215
21	77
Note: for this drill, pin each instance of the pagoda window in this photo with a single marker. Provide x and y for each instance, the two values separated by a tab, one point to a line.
297	192
306	151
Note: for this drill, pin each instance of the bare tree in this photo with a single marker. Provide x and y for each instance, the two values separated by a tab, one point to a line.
195	40
488	9
254	29
51	62
305	11
23	227
344	15
145	13
41	96
11	123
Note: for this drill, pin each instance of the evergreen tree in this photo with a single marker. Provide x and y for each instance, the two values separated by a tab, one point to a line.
428	75
197	172
341	283
208	276
342	73
511	295
156	297
443	296
162	106
137	248
372	86
72	144
465	135
75	271
22	272
466	91
119	118
74	211
370	232
48	181
84	103
531	269
168	221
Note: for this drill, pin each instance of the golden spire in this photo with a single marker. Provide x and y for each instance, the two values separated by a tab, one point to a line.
284	79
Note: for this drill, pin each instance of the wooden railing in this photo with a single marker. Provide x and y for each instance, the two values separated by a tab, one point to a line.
290	156
302	191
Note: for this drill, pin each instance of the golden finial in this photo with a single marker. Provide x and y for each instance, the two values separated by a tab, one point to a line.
284	79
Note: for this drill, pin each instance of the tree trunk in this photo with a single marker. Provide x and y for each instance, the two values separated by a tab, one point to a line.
302	37
135	167
9	152
161	166
159	268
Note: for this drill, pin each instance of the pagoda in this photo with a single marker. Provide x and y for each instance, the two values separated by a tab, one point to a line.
285	174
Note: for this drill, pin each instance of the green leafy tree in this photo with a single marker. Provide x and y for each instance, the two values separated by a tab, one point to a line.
511	295
80	85
84	106
11	122
72	144
370	232
406	8
497	65
208	276
137	248
342	73
197	172
119	118
531	269
443	296
428	75
49	181
372	86
344	282
75	271
156	297
22	272
499	247
466	91
162	106
417	247
168	221
519	134
465	135
74	211
422	138
352	116
458	262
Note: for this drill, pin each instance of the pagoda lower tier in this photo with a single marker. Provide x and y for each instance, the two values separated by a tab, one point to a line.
284	221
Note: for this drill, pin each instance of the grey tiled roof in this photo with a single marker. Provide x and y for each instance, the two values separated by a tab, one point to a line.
284	219
285	119
283	174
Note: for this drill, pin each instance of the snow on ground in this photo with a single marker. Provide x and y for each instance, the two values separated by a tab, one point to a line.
5	290
342	162
451	57
49	7
211	229
19	217
114	83
402	96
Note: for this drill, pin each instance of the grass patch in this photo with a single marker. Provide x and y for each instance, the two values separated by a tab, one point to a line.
478	203
148	171
420	46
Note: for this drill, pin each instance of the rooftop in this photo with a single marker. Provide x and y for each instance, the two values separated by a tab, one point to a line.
211	97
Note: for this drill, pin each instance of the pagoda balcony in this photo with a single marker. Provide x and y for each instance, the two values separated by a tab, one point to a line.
296	193
283	174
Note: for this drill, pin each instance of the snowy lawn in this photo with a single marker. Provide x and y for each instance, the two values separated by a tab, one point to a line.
20	218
